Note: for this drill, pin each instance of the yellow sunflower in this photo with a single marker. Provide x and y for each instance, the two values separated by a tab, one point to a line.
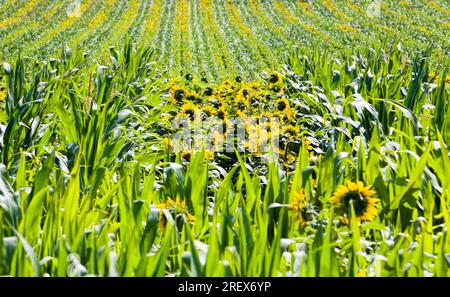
275	78
225	87
209	155
361	197
298	206
282	104
189	110
208	91
253	85
241	102
291	131
222	113
2	94
178	93
308	145
192	96
209	111
186	155
285	116
162	220
190	218
244	92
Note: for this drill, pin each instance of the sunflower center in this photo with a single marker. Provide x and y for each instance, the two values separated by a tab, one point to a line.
208	91
190	113
241	105
221	114
281	105
179	94
274	78
357	200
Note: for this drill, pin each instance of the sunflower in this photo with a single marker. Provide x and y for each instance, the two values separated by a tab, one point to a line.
162	220
275	78
186	155
192	96
361	197
254	86
178	93
209	111
190	218
222	113
308	145
299	206
244	92
276	88
208	91
216	103
241	103
3	94
282	104
168	205
285	116
209	154
291	131
225	87
189	110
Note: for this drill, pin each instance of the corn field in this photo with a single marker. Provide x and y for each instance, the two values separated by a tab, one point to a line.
224	138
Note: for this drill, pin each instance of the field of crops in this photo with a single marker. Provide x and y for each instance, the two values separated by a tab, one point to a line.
224	138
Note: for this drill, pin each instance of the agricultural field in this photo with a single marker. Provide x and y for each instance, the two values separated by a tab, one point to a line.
224	138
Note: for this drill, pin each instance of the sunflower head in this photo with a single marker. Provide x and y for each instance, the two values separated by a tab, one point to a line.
282	104
253	86
208	91
192	96
291	131
308	144
299	206
286	116
162	221
244	92
361	197
2	94
189	110
225	87
275	78
178	93
222	113
216	103
190	218
241	103
209	111
186	155
277	88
